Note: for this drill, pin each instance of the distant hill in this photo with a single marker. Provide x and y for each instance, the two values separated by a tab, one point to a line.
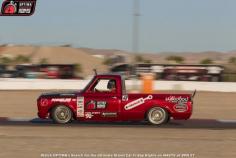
58	55
93	58
160	57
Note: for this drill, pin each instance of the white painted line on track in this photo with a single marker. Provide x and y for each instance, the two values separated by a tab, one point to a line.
227	121
20	119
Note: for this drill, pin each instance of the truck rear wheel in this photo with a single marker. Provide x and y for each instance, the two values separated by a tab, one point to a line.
157	116
61	114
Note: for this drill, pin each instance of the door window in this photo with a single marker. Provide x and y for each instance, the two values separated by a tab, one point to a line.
104	86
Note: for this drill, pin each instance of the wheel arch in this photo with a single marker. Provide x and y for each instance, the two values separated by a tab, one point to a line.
156	105
61	104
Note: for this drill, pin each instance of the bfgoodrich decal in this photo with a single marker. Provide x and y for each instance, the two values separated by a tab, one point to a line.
61	99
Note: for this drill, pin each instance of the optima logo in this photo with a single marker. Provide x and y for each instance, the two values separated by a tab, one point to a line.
18	7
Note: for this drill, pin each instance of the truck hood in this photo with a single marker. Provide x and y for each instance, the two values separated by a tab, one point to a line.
60	94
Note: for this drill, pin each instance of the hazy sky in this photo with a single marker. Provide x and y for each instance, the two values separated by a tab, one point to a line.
165	25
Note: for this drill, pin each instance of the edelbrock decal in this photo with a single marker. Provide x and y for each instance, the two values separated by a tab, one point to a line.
175	99
137	102
181	103
80	106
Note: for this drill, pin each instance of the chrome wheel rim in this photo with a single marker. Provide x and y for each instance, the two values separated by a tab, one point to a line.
63	114
157	115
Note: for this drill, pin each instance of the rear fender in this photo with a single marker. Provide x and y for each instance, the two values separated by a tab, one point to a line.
156	104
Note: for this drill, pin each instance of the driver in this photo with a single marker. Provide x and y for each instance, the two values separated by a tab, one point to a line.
111	86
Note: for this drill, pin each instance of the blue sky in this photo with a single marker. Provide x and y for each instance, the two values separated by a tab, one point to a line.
165	25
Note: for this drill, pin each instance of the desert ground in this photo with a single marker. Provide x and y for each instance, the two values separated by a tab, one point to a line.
210	133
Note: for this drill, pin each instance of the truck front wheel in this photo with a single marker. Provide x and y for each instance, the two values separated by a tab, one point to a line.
157	116
61	114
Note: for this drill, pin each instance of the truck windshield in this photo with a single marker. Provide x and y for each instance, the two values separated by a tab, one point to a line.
87	86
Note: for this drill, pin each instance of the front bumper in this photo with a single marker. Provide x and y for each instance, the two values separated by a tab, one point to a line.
43	115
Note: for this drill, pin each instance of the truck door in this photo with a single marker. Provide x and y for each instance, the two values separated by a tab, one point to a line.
102	101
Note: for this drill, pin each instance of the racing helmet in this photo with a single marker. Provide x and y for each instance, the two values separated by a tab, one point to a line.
111	84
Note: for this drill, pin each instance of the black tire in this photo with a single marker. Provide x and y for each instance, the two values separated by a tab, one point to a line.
61	114
157	116
168	119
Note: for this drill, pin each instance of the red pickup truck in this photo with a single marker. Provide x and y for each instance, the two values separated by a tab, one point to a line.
105	99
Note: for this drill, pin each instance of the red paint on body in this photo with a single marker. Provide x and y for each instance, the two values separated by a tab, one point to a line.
94	105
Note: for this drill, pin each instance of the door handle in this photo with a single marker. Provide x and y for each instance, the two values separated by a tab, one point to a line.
114	97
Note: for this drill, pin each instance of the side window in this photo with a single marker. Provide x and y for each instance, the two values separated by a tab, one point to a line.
104	86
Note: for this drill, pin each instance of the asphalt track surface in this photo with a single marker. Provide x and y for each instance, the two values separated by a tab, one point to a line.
211	132
173	124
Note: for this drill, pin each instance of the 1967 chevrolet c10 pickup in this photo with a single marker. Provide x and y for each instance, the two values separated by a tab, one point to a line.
105	99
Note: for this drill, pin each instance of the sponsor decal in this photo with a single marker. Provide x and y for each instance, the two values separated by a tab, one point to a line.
80	106
181	103
175	99
88	115
96	112
62	100
17	7
180	107
109	114
137	102
101	104
92	104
